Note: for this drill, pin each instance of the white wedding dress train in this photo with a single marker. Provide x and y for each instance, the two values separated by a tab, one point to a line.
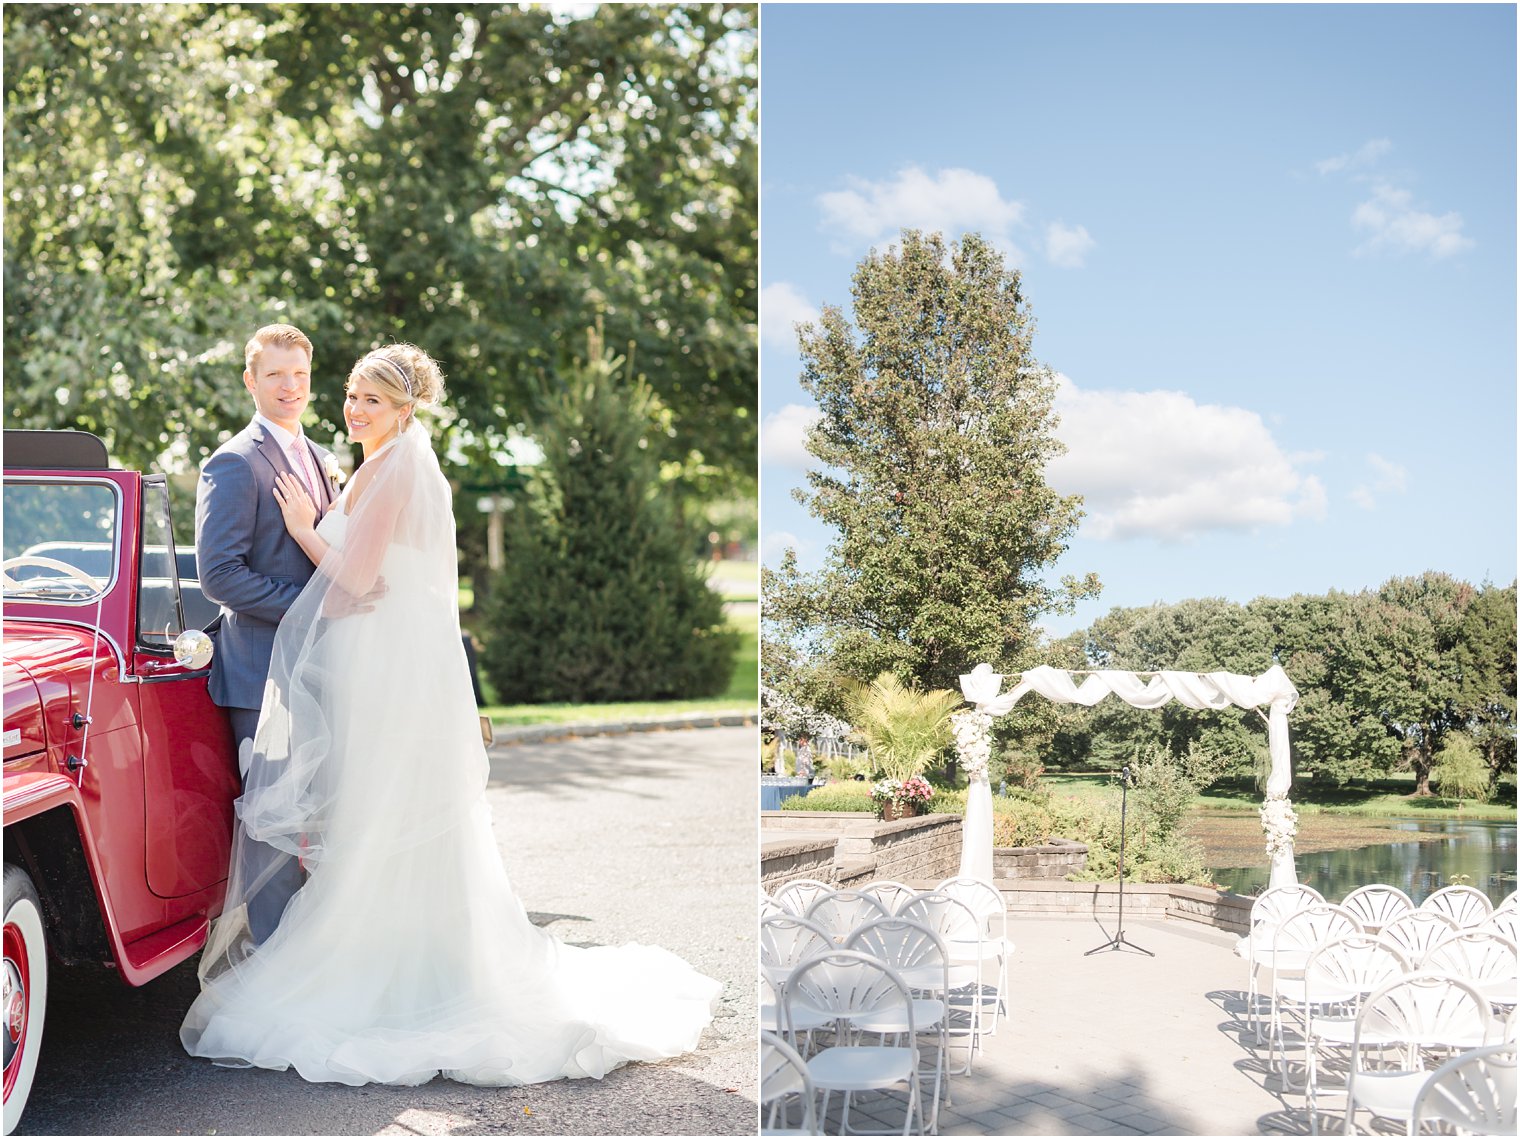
406	953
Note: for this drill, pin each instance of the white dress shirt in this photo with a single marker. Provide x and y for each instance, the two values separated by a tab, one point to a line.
295	447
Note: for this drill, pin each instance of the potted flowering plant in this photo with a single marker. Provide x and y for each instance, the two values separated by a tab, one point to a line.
901	798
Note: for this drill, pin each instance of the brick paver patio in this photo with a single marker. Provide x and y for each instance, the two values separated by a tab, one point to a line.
1118	1043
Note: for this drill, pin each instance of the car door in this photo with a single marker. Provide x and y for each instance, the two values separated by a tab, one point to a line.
189	763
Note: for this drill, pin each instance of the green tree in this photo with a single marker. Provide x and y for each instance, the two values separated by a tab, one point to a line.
1402	671
1460	770
481	179
600	599
1334	735
935	428
1196	635
1484	658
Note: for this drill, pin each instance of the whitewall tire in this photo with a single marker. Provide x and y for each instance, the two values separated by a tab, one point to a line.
25	997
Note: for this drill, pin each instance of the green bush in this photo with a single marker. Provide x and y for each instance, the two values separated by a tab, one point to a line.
832	797
600	600
842	766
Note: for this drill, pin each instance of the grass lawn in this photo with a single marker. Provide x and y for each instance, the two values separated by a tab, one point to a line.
742	695
736	581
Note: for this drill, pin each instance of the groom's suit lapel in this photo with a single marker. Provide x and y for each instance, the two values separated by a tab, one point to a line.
270	448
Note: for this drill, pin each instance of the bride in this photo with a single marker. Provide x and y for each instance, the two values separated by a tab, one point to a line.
406	952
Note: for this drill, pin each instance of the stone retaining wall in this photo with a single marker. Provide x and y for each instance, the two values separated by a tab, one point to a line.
1033	898
1057	858
805	858
861	849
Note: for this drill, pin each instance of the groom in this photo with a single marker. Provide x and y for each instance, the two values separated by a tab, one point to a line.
249	564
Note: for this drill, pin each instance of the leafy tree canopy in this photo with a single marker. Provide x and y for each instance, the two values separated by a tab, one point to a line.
484	180
936	425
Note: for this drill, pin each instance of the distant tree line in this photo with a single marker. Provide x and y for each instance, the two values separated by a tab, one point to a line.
1389	680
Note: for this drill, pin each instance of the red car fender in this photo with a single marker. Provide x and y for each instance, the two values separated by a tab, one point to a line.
30	793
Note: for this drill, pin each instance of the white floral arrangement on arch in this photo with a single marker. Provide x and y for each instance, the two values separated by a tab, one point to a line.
973	741
1280	822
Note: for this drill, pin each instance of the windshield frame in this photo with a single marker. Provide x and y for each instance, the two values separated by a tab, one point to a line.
29	597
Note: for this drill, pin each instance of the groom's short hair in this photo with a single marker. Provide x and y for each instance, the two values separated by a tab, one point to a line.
274	336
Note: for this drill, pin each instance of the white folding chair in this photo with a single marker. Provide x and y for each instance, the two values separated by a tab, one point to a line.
986	901
842	911
797	895
921	960
1377	904
784	1081
769	905
1267	912
1505	921
1410	1017
1419	932
785	941
962	932
850	985
892	895
1465	905
1293	941
1474	1093
1337	976
1487	959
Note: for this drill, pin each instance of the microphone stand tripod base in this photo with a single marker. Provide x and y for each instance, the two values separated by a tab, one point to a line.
1117	941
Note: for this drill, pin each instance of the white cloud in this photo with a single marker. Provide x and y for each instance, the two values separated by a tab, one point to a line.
783	437
1388	478
1159	465
782	306
953	201
1067	246
1392	222
1359	159
777	542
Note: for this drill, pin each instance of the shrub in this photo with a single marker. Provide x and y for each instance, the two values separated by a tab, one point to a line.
843	767
600	599
1020	767
1460	770
832	797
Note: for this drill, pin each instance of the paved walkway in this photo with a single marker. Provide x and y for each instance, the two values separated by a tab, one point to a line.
1118	1043
647	837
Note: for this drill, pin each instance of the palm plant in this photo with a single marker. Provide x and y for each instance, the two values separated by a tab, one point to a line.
902	727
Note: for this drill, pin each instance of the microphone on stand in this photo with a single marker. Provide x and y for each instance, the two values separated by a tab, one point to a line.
1126	778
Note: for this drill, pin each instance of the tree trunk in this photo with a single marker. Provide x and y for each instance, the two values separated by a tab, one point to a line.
1420	762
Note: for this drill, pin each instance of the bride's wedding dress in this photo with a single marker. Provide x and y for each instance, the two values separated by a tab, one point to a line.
406	953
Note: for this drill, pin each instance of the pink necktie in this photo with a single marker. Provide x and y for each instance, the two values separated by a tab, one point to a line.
303	465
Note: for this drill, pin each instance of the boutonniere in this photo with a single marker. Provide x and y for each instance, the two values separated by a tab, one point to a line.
332	470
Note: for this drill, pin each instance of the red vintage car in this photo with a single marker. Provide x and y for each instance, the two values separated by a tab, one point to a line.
120	773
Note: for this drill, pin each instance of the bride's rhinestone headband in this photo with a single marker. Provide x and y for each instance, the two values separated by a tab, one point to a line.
406	380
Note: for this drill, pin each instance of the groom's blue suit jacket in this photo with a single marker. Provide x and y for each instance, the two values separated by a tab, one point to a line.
249	564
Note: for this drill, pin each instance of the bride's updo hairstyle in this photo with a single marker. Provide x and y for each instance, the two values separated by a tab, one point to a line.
407	375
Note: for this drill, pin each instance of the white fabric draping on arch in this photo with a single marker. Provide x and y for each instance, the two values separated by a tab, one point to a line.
1191	689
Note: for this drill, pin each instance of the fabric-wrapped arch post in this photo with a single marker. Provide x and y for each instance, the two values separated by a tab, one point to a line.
1192	689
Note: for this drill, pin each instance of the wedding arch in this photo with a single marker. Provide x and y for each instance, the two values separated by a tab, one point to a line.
1191	689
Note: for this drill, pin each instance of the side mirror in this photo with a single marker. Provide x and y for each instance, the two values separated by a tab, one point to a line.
193	649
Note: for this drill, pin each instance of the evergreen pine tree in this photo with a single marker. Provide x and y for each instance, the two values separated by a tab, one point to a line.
600	599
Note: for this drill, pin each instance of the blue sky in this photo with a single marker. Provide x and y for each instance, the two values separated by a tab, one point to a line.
1270	251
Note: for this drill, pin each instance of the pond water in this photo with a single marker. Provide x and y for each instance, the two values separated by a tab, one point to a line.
1481	849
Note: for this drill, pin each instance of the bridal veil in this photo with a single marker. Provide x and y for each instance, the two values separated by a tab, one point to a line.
406	952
